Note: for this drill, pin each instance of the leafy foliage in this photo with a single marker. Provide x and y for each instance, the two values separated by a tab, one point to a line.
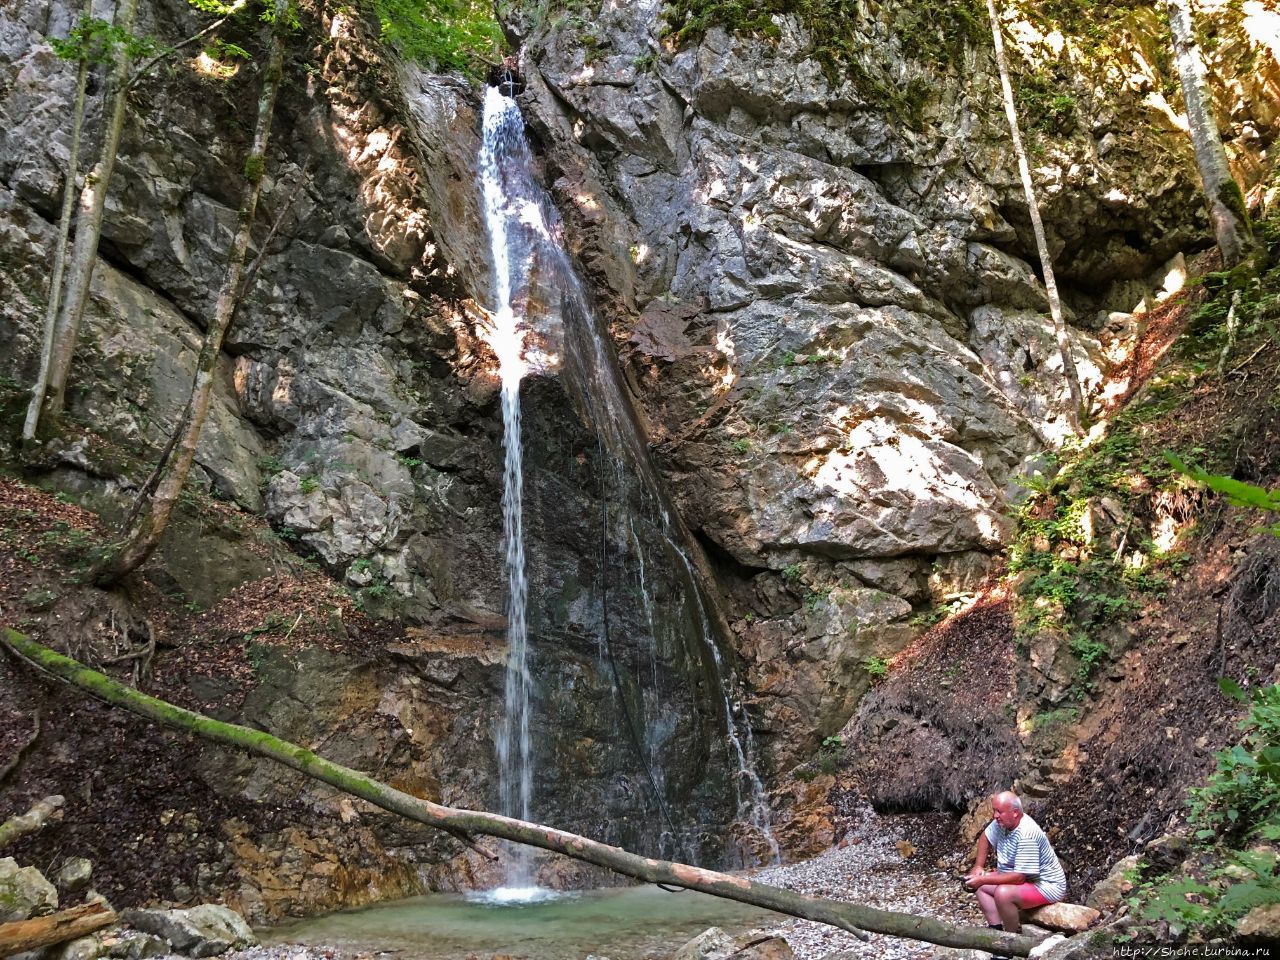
1237	492
877	668
445	34
1242	798
1240	803
99	42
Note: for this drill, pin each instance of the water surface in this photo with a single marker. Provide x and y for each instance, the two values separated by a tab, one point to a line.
631	923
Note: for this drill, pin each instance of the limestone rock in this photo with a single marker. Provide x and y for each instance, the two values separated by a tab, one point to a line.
1108	895
1165	852
204	931
75	874
716	944
1260	926
1068	917
24	892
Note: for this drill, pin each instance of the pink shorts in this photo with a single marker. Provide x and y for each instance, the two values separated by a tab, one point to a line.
1029	896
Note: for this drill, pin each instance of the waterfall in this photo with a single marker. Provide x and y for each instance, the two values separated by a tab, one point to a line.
502	132
641	561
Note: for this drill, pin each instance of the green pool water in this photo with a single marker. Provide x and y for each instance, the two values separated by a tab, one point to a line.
632	923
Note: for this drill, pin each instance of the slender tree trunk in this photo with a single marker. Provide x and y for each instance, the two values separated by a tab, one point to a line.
60	250
93	202
1037	227
463	824
1230	218
145	534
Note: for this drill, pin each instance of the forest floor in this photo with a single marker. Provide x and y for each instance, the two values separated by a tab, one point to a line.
152	827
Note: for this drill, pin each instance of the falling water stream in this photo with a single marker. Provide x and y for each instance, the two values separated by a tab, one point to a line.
517	216
502	134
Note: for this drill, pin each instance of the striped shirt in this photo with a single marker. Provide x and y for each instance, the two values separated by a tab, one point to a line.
1025	849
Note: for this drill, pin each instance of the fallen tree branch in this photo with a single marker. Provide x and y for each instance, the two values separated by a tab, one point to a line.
853	917
23	935
30	742
31	821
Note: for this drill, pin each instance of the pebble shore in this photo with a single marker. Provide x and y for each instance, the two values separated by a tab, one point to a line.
871	870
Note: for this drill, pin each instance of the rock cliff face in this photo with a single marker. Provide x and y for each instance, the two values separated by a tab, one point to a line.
357	412
827	314
824	287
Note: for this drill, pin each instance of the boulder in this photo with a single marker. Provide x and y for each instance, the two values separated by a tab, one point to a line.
204	931
1260	926
1165	852
715	944
24	892
1108	896
1067	917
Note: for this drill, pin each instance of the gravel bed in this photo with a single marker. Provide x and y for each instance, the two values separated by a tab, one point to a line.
871	869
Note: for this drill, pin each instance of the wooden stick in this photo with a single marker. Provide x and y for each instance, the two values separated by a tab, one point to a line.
31	821
853	917
24	935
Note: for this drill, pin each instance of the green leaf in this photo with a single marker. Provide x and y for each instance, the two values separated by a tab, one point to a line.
1232	689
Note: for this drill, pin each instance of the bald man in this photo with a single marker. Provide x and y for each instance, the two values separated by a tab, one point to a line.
1027	872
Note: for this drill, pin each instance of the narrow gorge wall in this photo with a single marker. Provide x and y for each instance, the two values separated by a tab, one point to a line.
818	267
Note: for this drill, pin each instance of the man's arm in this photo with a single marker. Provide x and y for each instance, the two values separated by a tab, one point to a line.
978	876
979	860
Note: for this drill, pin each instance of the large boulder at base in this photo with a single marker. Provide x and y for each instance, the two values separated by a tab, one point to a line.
24	892
1109	894
1067	917
715	944
204	931
1260	926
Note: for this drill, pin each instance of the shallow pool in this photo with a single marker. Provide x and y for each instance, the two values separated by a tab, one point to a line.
630	923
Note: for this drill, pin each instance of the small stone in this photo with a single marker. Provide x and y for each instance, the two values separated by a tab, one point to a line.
1109	894
75	874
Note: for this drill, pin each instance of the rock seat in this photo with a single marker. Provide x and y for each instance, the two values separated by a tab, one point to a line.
1063	917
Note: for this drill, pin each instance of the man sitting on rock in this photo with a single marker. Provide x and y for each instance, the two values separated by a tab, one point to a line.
1027	872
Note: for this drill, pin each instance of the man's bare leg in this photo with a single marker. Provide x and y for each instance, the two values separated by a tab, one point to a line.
987	901
1008	900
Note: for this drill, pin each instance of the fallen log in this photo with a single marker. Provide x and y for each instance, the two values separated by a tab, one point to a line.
853	917
23	935
31	821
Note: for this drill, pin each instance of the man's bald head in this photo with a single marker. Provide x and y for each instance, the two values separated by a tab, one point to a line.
1007	809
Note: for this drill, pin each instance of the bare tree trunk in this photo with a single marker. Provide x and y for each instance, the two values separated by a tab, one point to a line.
24	935
60	250
45	810
145	534
464	824
1037	227
1230	218
93	201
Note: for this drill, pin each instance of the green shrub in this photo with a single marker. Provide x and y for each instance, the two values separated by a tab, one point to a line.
1242	797
877	668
